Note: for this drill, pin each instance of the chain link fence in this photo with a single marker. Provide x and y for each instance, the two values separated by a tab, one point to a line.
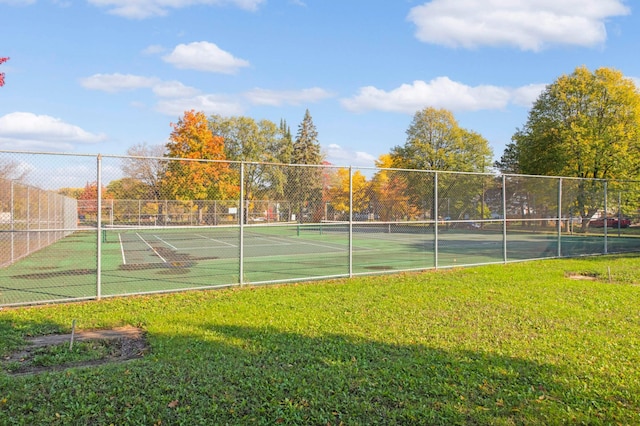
78	227
32	219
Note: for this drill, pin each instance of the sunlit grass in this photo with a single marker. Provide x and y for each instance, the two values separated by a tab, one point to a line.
503	344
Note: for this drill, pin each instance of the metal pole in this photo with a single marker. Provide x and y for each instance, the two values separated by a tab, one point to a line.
13	213
49	218
99	229
606	247
434	215
28	219
619	211
39	219
559	224
241	219
504	218
350	221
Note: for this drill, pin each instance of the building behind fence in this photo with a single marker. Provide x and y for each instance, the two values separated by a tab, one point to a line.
207	224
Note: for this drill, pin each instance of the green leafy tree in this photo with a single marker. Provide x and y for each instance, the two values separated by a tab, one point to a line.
436	142
587	125
251	141
583	125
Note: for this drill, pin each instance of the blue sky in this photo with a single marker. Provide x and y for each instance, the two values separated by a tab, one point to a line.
99	76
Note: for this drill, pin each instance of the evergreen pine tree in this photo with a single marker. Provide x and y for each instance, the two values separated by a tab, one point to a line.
305	182
306	149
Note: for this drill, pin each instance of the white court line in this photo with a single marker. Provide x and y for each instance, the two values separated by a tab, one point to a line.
170	245
124	259
286	241
154	250
217	241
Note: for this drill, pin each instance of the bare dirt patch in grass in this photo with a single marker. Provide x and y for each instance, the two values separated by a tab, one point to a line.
90	348
588	276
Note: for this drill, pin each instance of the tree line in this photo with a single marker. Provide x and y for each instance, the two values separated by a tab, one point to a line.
585	124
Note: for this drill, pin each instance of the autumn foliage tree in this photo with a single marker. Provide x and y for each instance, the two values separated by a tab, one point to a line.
340	190
201	173
2	61
389	190
88	199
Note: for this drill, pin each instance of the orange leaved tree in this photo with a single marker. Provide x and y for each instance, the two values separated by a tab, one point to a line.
202	172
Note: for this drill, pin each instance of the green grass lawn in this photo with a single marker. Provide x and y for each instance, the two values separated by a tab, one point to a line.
522	343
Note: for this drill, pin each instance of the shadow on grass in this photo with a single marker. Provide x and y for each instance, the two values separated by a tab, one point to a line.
13	332
251	375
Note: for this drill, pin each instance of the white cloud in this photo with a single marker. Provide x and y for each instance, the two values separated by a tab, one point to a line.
526	95
141	9
209	104
117	82
289	97
636	81
340	156
18	2
204	56
527	25
154	49
440	92
174	89
27	130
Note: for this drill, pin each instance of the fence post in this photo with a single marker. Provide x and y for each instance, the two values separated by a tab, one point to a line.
13	227
99	228
559	225
606	247
241	219
350	221
434	214
40	219
28	219
504	218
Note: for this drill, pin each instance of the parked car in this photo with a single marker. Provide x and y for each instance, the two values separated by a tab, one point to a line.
612	222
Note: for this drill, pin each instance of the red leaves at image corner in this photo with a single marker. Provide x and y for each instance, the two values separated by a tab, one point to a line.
2	60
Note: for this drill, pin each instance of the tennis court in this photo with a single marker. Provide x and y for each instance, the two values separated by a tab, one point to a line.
138	260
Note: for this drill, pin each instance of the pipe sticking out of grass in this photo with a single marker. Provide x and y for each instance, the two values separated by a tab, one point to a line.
73	333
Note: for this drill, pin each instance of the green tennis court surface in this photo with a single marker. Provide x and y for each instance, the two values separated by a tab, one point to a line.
135	260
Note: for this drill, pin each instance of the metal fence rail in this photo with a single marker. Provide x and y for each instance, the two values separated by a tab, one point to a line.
207	224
